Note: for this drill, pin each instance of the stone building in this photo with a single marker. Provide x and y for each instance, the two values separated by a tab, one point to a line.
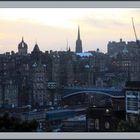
39	84
115	47
127	65
39	81
9	94
55	67
132	99
70	72
24	87
90	66
36	53
103	119
98	66
66	68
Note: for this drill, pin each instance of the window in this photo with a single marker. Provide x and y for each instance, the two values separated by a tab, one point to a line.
107	125
97	124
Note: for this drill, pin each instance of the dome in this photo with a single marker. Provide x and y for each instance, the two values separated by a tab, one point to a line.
22	44
36	48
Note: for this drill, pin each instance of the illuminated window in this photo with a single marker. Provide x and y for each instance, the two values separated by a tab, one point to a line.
107	125
97	124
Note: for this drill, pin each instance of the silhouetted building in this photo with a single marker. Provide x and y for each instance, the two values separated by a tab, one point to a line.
55	67
39	85
23	90
36	53
22	48
65	68
132	93
127	66
125	48
9	94
103	119
115	47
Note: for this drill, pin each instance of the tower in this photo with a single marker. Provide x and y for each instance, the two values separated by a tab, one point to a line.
36	53
39	79
78	43
22	47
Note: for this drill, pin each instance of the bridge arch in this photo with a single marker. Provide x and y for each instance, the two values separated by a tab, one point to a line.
86	98
88	91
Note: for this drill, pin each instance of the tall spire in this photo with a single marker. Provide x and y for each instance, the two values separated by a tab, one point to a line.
78	48
35	41
78	33
69	49
22	39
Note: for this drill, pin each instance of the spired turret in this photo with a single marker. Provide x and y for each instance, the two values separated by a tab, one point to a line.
36	48
36	53
22	48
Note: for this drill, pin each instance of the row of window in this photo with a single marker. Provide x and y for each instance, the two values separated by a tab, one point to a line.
95	124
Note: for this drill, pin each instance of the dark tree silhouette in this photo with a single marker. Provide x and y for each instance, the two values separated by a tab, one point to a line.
11	124
129	126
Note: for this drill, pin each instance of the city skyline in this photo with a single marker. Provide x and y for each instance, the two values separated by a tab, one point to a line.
52	28
63	90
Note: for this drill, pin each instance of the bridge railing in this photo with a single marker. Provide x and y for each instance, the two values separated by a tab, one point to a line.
93	88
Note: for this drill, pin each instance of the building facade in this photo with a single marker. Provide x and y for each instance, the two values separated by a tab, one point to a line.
9	94
39	84
132	99
103	119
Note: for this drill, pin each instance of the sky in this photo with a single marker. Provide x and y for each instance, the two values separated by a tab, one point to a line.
54	28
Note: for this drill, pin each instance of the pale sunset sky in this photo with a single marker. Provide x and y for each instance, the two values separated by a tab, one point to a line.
51	28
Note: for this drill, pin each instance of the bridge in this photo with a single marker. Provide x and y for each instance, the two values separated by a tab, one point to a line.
69	91
84	96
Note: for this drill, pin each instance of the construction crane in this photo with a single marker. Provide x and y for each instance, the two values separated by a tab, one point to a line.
137	41
138	44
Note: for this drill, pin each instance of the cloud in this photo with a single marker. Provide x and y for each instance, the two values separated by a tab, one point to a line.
48	37
97	26
94	23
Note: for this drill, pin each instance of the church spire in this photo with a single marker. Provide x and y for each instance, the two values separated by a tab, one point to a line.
69	49
78	33
22	39
78	48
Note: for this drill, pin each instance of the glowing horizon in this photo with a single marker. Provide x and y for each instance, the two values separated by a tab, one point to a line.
52	27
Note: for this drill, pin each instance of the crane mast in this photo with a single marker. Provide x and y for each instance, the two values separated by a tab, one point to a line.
137	41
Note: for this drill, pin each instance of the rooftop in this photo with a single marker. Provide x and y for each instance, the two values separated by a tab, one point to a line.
132	84
77	118
84	54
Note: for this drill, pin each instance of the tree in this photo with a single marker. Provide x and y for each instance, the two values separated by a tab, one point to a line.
11	124
129	126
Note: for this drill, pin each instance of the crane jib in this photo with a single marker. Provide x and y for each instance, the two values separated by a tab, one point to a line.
137	41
